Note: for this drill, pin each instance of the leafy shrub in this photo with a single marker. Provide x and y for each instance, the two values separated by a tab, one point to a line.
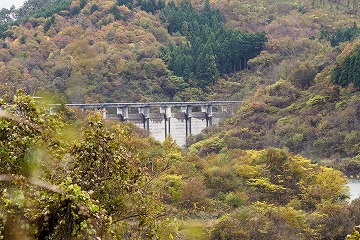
233	200
220	178
352	142
294	141
316	101
210	145
321	146
263	221
302	76
172	186
193	194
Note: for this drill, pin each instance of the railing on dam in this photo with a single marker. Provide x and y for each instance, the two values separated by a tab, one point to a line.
160	119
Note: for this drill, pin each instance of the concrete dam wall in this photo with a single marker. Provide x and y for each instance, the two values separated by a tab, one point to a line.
175	125
180	120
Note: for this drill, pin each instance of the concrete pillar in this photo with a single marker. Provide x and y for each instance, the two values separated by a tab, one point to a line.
204	108
123	112
103	112
187	116
166	110
145	112
189	111
147	117
208	114
210	111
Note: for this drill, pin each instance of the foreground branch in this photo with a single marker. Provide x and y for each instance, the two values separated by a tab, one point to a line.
33	181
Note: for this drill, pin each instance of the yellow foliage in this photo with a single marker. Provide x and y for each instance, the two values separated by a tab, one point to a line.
264	183
327	185
248	171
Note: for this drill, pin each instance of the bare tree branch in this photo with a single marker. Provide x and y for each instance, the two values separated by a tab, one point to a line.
33	181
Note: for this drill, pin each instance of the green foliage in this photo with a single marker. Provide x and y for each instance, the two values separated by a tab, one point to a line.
42	8
18	138
88	55
74	10
127	3
206	69
116	12
316	101
353	236
222	179
5	20
303	75
55	188
28	196
214	144
83	3
29	10
173	85
233	200
152	6
268	221
172	188
48	23
93	8
281	178
208	48
347	71
341	35
351	167
106	181
263	221
169	228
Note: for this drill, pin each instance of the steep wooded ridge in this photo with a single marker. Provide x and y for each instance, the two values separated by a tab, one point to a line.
70	176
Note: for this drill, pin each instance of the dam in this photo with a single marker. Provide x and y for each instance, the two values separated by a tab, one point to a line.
180	120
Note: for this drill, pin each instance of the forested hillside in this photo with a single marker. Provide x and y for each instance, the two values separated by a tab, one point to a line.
146	51
266	173
306	98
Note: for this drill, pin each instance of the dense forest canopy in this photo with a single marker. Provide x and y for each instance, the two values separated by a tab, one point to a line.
276	170
347	71
209	48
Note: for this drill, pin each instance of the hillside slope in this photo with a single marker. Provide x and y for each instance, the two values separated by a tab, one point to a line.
130	51
118	50
298	104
